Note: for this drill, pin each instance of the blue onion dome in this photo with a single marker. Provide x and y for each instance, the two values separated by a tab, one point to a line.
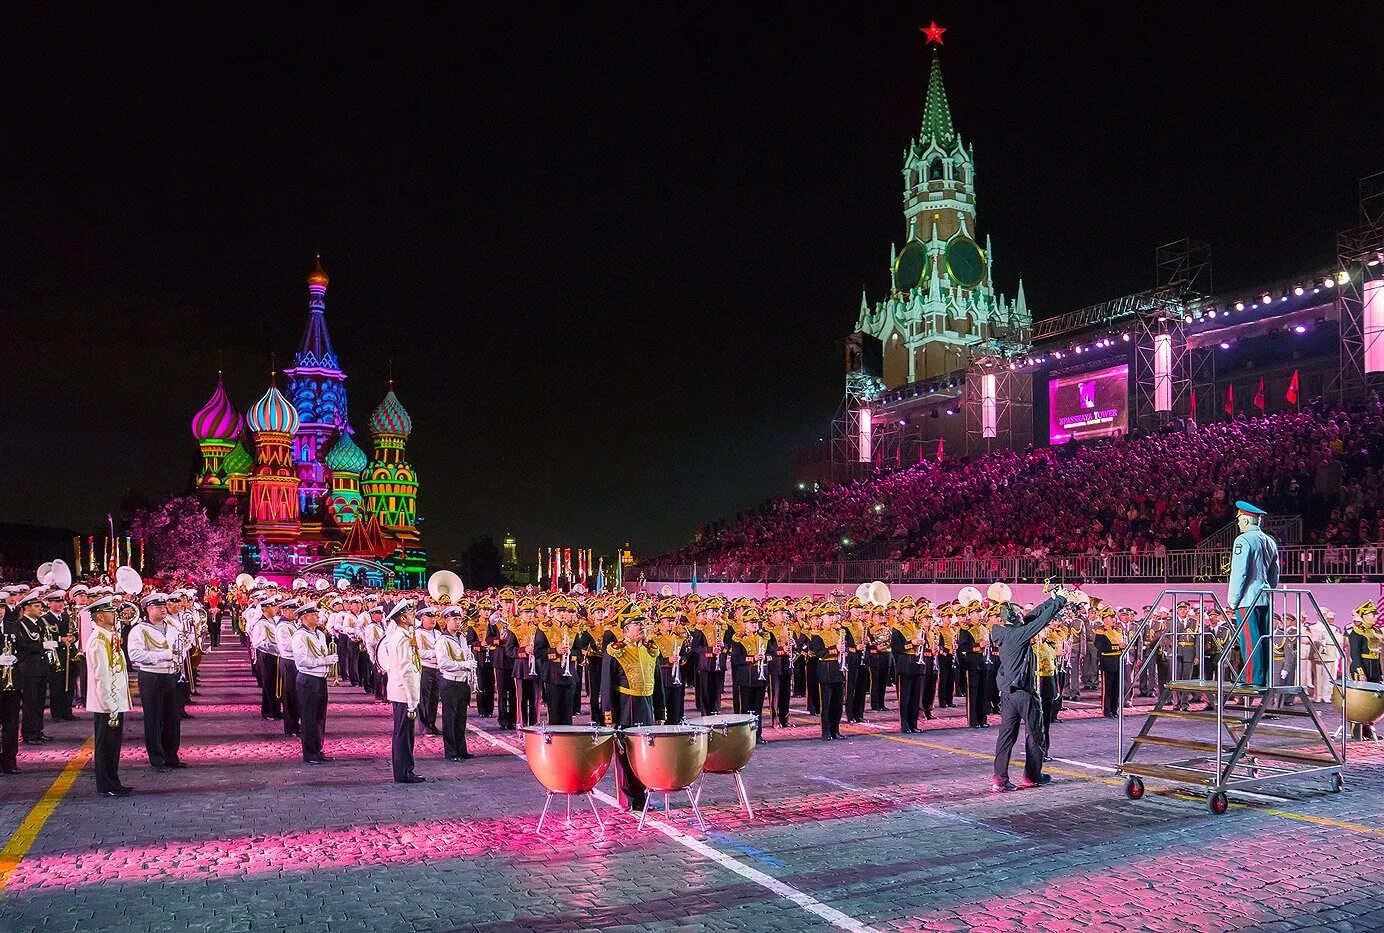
273	412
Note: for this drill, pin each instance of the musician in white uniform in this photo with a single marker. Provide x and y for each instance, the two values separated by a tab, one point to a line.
313	658
426	634
264	640
107	696
398	659
457	667
372	636
155	653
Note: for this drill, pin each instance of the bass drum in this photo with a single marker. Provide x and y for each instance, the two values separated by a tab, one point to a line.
667	758
731	742
568	759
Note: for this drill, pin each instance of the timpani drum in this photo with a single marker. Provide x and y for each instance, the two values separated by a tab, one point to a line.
1363	702
569	760
667	759
729	748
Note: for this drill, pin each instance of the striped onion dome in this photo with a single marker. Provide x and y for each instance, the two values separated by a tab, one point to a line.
237	462
217	420
346	457
391	418
273	412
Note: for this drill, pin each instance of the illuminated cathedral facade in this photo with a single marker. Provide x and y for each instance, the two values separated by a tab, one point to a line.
312	500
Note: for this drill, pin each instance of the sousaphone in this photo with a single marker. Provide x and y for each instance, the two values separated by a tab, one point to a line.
445	585
59	574
877	594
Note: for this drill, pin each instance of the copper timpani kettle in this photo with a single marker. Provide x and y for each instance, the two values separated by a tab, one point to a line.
729	748
569	760
1363	703
667	759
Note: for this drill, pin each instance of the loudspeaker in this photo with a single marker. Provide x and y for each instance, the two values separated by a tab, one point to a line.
864	354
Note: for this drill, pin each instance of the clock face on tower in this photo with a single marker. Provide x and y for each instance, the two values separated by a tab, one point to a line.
965	261
910	267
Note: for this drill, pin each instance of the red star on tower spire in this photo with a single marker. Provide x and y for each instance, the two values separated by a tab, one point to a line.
933	33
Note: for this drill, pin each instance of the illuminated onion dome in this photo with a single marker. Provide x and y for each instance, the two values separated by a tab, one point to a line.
346	457
237	462
218	420
391	418
273	412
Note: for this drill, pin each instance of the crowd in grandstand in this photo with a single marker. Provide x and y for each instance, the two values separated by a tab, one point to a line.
1141	494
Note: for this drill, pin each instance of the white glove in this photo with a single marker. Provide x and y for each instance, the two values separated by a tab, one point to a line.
7	660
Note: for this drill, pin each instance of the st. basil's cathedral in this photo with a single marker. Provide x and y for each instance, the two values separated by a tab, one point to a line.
312	501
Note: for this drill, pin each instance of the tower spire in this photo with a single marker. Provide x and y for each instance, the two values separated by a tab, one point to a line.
937	121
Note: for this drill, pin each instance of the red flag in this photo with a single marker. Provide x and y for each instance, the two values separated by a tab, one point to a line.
1292	394
941	442
1259	395
1230	400
1192	406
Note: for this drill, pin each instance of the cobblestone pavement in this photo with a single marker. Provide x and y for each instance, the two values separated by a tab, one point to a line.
880	832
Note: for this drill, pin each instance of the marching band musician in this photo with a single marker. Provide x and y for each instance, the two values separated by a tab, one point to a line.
372	636
264	642
497	641
807	627
1045	669
749	657
857	669
780	664
670	693
553	647
32	649
1109	647
590	648
519	647
709	643
475	631
1364	645
79	597
399	661
879	658
60	626
945	632
911	651
828	648
314	656
107	697
1017	682
429	683
284	631
18	645
457	667
970	646
156	654
627	677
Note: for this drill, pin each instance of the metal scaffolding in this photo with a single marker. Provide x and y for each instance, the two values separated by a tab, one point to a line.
1360	254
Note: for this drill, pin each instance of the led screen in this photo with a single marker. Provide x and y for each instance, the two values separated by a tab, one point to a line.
1094	404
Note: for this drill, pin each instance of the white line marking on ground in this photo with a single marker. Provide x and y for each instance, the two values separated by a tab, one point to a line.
786	891
914	805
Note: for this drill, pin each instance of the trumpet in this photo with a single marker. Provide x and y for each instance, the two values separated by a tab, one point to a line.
566	654
841	649
9	668
677	660
761	644
533	661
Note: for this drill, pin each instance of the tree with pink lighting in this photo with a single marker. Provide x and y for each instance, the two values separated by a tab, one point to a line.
186	542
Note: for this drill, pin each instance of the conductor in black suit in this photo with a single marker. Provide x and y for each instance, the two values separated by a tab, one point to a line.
1018	685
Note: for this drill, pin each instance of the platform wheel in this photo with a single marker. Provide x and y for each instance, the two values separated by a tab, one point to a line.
1217	802
1336	783
1134	788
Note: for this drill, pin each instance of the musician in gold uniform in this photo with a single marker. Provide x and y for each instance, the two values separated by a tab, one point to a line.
749	657
627	679
1109	646
670	692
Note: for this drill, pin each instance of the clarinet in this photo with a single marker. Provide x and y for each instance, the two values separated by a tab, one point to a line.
841	650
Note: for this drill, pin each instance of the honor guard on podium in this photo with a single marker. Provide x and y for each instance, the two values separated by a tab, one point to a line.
1017	680
627	678
1253	574
157	656
314	659
107	696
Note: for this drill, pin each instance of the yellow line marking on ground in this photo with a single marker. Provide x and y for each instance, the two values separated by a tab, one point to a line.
19	844
1119	782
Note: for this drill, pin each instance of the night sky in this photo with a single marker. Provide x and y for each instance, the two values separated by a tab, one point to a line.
610	248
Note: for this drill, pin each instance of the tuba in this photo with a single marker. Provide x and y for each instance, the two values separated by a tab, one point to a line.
877	594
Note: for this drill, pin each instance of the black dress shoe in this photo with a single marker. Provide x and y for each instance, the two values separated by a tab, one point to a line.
313	761
415	779
177	764
162	769
110	793
124	790
9	770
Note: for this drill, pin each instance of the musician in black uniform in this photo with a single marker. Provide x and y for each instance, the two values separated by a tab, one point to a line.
31	669
944	635
970	647
59	626
879	658
780	665
21	647
523	666
627	679
826	647
806	629
590	650
1109	646
670	690
475	631
557	669
749	657
496	642
906	641
709	642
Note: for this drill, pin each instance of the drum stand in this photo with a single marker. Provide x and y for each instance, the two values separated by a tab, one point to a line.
740	789
547	802
668	807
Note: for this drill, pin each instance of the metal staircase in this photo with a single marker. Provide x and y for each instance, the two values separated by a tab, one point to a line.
1254	743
